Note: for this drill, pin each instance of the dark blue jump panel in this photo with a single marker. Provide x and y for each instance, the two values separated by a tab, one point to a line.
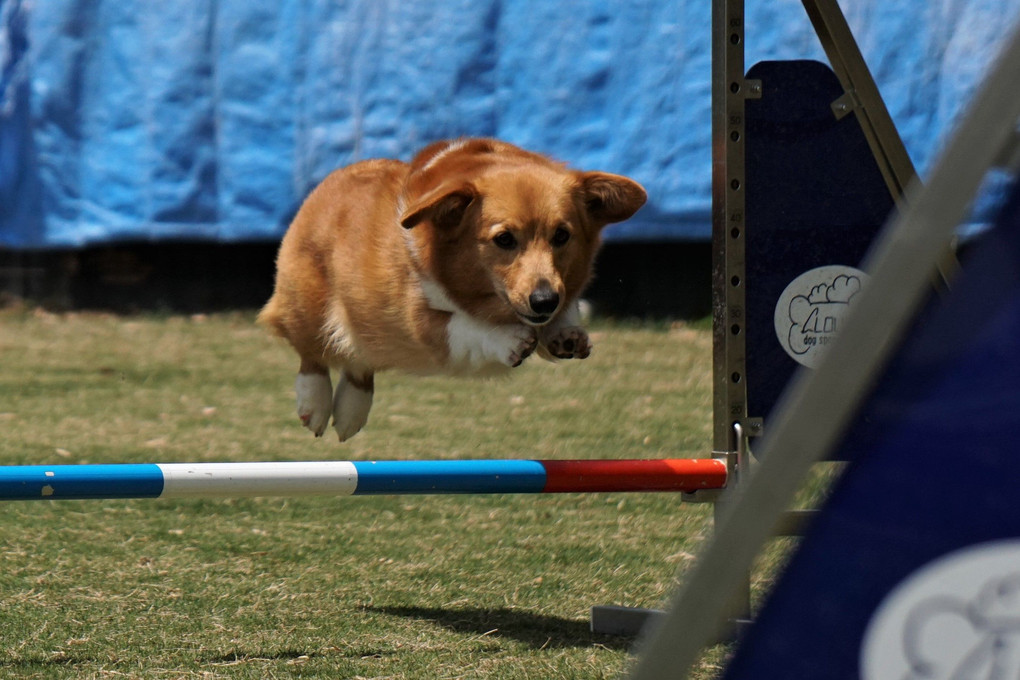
912	569
815	197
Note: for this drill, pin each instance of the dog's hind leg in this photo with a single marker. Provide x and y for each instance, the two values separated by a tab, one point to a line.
314	394
352	401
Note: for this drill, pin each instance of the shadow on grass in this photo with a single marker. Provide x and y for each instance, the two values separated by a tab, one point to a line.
25	664
535	630
237	657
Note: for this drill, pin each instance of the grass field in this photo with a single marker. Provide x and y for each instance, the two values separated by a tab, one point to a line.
368	587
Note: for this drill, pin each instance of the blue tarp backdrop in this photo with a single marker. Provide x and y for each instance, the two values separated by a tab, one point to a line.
132	120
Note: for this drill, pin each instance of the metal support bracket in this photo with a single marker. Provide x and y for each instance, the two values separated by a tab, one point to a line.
712	495
701	496
846	105
615	620
730	89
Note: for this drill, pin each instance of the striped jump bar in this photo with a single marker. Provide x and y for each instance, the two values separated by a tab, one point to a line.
359	478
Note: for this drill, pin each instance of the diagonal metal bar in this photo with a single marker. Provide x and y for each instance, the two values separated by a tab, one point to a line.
864	98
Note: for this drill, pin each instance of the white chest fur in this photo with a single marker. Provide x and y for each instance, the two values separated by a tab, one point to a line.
477	347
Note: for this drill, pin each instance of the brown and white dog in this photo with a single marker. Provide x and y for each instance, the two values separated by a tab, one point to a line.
462	262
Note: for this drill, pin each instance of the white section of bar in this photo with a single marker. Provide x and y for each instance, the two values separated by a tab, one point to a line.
223	480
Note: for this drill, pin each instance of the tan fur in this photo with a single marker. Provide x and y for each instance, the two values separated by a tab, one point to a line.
389	265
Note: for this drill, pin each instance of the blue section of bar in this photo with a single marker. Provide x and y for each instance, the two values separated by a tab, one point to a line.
56	482
449	477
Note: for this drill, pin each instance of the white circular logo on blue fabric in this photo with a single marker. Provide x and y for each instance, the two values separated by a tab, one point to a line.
811	311
957	617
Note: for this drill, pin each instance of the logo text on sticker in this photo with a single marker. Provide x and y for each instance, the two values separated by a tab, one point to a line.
811	311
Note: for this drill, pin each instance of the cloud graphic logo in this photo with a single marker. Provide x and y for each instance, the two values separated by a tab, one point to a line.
957	618
811	310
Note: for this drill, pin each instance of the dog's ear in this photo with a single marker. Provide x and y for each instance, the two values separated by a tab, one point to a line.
610	198
444	207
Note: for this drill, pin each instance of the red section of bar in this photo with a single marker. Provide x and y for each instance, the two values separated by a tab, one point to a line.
681	474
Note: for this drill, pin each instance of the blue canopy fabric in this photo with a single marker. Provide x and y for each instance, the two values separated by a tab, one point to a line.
211	119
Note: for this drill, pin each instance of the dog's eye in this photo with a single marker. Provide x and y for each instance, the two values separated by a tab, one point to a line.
505	240
560	236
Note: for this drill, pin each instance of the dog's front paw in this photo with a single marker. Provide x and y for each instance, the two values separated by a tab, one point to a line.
476	347
314	400
571	342
523	343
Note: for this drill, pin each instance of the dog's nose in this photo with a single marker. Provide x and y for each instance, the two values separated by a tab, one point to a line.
544	301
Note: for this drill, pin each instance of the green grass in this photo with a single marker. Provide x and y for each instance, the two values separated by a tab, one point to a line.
383	587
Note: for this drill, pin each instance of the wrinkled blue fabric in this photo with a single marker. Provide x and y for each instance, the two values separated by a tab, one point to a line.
131	120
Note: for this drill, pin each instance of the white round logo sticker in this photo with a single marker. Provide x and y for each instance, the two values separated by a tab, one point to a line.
955	618
811	310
